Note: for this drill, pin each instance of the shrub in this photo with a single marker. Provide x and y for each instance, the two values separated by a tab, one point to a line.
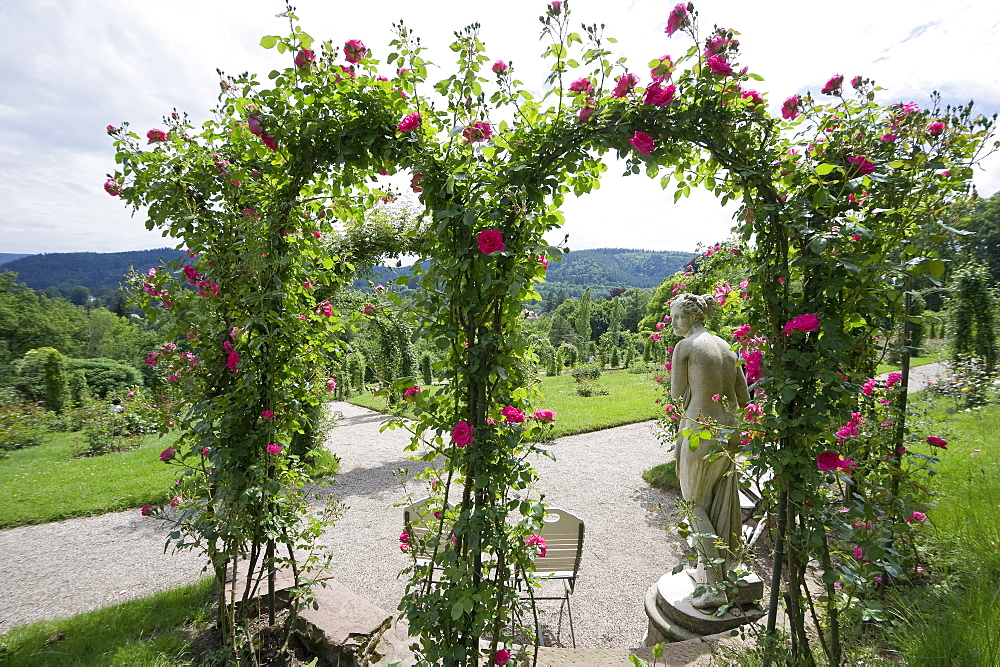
587	372
105	376
425	369
21	424
41	377
587	387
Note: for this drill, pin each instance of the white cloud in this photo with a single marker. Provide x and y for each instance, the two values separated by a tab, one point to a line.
69	68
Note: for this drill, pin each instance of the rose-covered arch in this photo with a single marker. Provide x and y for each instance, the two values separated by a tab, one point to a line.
253	196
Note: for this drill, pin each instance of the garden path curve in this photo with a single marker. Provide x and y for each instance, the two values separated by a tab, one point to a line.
60	569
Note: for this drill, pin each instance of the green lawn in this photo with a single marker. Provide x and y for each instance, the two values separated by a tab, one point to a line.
957	620
152	631
47	483
629	400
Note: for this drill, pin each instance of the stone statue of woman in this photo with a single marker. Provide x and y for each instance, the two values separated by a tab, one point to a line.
706	378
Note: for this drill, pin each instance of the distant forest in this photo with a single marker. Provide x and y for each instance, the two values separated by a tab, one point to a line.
602	269
93	270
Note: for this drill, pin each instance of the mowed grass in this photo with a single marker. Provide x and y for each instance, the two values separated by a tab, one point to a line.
47	483
147	632
959	623
629	400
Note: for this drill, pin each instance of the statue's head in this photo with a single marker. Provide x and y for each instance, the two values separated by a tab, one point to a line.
688	310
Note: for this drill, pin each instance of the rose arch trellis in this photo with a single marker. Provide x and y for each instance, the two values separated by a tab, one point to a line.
853	209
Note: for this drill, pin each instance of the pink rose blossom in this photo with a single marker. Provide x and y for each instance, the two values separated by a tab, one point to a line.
663	69
715	398
232	361
536	541
626	83
111	129
807	323
269	141
331	384
478	131
847	466
832	86
151	358
917	517
642	142
207	287
415	182
191	273
368	311
893	378
754	98
256	128
491	241
410	122
753	412
660	326
790	108
355	50
205	451
753	362
717	44
167	454
722	293
155	136
500	67
870	385
545	415
937	442
888	138
112	187
324	309
719	65
740	333
655	337
935	128
856	81
146	510
461	435
267	414
862	164
512	415
555	7
404	541
273	449
304	58
175	501
677	19
828	461
503	655
581	86
659	96
411	392
544	261
586	111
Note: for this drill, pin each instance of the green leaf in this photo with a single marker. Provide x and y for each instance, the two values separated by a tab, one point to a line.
268	41
825	168
457	609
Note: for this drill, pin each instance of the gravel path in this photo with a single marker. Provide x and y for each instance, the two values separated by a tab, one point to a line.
60	569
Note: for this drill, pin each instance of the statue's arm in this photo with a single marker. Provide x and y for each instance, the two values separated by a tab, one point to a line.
742	391
679	372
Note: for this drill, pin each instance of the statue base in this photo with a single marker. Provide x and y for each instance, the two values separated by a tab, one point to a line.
673	617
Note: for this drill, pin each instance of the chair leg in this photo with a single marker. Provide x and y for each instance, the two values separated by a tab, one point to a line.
569	609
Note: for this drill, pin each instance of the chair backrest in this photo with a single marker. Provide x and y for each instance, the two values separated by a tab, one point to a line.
420	522
563	535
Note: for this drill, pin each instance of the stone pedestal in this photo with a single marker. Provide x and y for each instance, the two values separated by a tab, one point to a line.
672	617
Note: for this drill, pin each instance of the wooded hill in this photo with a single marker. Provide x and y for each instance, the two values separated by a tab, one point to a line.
601	269
93	270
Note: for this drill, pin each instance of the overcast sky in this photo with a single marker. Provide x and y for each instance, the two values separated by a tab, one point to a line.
68	68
